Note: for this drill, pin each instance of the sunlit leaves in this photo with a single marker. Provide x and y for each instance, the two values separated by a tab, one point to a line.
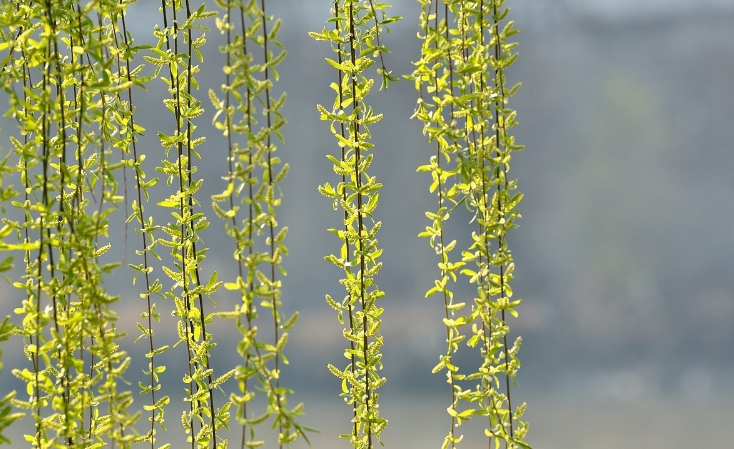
69	76
64	89
249	115
463	106
356	42
178	46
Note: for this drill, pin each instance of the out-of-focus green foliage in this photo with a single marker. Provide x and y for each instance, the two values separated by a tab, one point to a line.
7	417
248	207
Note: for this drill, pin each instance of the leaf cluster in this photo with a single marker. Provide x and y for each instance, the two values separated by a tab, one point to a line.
462	103
248	208
63	86
176	48
356	42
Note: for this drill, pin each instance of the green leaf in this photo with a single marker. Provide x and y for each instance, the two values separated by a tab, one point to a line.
336	65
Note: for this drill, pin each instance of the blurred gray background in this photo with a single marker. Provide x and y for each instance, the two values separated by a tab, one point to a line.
623	253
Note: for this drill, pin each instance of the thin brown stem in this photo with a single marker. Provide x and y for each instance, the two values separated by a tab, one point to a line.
444	256
360	223
187	324
250	216
189	176
230	165
61	127
271	222
486	328
500	125
343	133
144	233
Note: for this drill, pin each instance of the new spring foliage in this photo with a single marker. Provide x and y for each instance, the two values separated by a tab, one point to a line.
462	103
355	39
248	207
69	70
62	76
179	43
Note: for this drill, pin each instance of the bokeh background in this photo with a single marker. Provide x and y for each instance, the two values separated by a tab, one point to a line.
624	252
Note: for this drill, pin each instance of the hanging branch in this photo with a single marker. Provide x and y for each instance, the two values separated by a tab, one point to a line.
456	70
348	250
356	43
435	71
30	108
503	211
252	165
19	74
240	162
70	226
187	222
130	77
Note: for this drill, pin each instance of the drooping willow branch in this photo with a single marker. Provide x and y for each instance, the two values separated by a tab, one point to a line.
188	222
348	255
457	70
130	77
356	41
251	71
436	71
64	113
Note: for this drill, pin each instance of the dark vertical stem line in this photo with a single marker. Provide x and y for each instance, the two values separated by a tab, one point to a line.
450	63
42	222
37	340
250	287
500	124
61	98
193	386
123	154
190	175
251	192
476	146
91	375
179	147
343	133
486	328
61	127
80	106
444	258
360	222
249	262
27	256
141	217
113	399
112	405
377	35
249	314
27	81
75	213
102	160
274	294
268	382
230	164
